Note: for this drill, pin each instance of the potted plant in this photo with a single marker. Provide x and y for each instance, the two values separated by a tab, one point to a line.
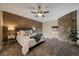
73	34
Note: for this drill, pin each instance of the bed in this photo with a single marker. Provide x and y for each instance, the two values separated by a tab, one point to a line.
24	39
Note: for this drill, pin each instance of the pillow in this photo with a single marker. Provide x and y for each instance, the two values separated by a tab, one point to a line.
33	34
21	32
29	32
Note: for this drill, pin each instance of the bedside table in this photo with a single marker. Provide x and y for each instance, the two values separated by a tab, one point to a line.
11	38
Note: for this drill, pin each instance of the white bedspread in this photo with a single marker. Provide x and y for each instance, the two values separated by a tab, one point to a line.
26	42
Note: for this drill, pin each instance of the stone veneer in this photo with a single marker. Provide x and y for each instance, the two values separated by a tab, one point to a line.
65	23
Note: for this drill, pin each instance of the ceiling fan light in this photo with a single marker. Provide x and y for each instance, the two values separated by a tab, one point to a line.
39	14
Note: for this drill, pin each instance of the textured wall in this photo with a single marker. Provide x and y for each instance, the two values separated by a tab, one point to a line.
65	23
12	20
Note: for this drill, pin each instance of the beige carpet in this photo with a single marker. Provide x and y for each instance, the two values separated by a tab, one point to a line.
51	47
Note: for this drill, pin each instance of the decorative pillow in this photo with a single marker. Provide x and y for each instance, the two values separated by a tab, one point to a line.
29	32
33	34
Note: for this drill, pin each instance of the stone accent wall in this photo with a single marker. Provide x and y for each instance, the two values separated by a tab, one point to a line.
65	23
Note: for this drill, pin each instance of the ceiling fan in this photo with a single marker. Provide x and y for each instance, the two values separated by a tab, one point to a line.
40	12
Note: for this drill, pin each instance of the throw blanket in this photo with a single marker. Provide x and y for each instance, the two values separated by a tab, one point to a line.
37	37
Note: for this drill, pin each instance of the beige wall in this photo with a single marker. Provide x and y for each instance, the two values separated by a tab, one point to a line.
48	31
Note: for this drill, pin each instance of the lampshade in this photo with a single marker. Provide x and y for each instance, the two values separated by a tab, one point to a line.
11	28
39	14
33	28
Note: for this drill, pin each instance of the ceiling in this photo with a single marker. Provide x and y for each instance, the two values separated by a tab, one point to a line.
56	10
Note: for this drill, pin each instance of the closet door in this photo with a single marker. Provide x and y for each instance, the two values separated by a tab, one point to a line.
1	30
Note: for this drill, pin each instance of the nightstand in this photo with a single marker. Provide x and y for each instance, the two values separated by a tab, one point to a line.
11	38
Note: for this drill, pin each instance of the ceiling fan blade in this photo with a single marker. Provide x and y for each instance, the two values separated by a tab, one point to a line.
46	12
33	12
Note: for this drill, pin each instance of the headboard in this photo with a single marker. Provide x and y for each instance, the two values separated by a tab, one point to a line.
22	28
